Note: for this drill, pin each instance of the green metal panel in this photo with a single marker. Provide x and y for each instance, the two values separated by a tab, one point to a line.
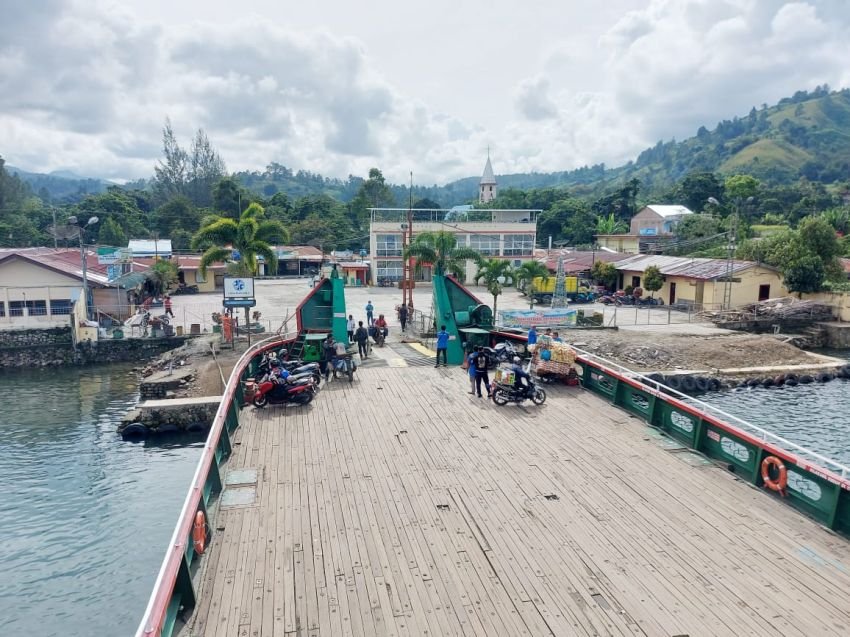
446	295
339	324
678	423
732	450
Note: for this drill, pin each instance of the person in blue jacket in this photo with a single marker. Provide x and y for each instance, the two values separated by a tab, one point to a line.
471	362
532	336
442	346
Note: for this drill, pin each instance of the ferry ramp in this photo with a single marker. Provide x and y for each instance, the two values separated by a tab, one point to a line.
401	505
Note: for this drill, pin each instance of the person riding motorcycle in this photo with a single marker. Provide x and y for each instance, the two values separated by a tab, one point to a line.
522	379
381	330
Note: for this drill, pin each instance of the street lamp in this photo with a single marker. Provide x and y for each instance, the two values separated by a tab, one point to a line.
73	221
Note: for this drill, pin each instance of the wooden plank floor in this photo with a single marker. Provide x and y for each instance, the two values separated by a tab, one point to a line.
400	505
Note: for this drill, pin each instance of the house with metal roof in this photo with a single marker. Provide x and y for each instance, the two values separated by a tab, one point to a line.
702	282
38	287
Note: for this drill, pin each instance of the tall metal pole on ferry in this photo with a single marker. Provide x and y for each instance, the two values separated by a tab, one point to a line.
409	283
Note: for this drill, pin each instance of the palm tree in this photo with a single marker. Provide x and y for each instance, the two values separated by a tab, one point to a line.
251	236
610	225
496	273
527	273
441	250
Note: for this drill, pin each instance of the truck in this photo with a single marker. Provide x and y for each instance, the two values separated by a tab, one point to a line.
578	290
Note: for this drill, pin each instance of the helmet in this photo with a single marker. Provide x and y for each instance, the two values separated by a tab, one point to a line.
517	360
284	374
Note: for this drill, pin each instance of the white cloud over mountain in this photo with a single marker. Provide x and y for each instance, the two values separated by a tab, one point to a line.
88	85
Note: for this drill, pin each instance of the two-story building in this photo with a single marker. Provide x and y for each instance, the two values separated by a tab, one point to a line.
649	229
507	234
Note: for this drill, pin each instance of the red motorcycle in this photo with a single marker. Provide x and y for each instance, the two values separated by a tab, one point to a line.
281	392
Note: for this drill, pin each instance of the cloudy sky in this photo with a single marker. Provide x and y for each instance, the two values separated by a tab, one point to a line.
338	87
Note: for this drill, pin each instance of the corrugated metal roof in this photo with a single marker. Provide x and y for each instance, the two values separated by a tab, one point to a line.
689	267
670	211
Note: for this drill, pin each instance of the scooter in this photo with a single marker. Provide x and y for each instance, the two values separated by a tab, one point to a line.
280	392
345	365
504	394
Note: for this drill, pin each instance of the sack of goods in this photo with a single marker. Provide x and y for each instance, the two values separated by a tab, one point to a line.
504	376
562	353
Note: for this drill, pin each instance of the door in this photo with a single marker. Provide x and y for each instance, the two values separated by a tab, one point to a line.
672	294
764	292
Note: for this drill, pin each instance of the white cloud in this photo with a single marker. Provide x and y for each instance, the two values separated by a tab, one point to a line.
87	86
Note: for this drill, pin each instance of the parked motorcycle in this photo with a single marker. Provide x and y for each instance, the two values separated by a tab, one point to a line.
345	365
502	353
277	391
504	394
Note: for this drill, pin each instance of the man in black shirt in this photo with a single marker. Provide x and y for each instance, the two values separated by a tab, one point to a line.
481	372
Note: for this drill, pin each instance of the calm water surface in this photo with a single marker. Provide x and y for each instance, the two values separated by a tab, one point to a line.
85	518
816	416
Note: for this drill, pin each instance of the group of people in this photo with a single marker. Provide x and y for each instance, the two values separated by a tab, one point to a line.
359	333
478	375
532	336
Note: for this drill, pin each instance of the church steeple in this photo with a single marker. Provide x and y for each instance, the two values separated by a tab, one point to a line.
487	188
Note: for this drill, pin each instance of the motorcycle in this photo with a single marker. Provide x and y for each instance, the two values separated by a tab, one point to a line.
345	365
504	394
502	353
280	392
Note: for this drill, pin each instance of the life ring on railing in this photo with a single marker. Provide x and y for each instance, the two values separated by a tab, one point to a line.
781	481
199	533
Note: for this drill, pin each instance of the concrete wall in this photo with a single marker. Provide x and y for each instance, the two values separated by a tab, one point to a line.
620	243
840	303
647	219
21	280
41	348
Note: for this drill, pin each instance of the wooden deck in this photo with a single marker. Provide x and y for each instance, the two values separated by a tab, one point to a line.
400	505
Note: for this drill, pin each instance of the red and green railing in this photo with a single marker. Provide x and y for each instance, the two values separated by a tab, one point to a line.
174	590
817	485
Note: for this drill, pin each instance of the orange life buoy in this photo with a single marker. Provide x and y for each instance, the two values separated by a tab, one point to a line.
781	481
199	533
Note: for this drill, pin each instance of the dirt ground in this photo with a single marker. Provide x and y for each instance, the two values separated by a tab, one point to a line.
657	351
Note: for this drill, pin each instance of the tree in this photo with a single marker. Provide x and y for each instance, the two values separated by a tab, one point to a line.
229	198
741	187
653	280
806	274
695	189
111	234
205	169
160	276
604	273
580	228
171	173
441	250
176	214
610	225
373	193
250	237
491	271
527	273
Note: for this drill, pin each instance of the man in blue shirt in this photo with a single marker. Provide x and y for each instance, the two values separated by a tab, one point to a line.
442	346
532	336
369	309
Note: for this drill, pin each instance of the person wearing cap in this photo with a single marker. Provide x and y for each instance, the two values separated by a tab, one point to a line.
369	309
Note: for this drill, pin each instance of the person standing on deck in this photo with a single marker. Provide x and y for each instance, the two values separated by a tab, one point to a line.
442	346
362	338
481	375
328	356
471	362
168	307
402	316
369	309
350	327
532	338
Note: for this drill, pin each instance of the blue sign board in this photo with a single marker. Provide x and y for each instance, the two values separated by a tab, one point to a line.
240	302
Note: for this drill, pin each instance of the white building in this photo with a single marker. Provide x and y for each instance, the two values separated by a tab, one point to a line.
508	234
487	188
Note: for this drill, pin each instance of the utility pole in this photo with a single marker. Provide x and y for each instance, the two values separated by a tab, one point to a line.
730	262
410	284
55	238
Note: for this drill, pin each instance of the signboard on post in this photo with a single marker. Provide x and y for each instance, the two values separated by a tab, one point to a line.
238	287
111	256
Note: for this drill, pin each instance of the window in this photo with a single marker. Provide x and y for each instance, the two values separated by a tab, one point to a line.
2	308
392	270
60	306
389	245
37	308
16	308
486	244
519	245
199	278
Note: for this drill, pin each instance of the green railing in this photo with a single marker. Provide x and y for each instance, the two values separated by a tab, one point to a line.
174	591
817	486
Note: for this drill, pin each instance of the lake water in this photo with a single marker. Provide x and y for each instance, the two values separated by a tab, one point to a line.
816	416
85	518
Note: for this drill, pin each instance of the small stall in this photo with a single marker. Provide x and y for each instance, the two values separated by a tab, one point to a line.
313	344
